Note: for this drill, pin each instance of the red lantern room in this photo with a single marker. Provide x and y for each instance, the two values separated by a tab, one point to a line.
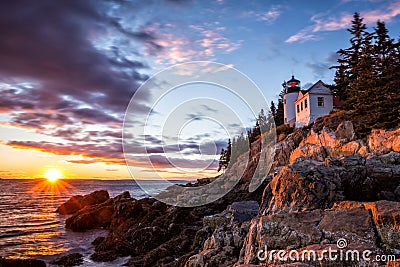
291	86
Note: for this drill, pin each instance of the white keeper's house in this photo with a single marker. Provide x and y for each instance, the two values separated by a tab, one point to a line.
302	107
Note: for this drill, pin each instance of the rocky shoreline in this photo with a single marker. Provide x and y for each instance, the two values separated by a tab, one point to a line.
326	186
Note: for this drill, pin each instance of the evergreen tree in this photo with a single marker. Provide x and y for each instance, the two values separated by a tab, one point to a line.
347	72
383	48
273	110
388	78
239	146
279	118
368	77
250	136
228	153
263	121
256	133
225	157
363	84
222	160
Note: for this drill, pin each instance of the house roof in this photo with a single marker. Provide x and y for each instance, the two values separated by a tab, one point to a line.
303	93
315	84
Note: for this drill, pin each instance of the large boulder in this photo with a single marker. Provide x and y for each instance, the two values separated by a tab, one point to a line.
351	223
327	143
309	184
98	215
345	131
91	217
225	233
284	148
302	186
76	203
386	215
4	262
383	141
74	259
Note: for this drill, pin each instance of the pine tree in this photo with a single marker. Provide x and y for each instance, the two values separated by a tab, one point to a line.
273	110
228	153
277	112
363	84
368	77
387	98
347	72
225	157
383	47
279	119
256	133
240	145
263	121
222	160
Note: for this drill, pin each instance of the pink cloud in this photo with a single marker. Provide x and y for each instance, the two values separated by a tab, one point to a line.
331	24
392	11
322	23
268	16
202	44
271	15
302	36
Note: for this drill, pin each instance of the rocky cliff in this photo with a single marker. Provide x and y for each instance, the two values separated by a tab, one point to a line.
325	185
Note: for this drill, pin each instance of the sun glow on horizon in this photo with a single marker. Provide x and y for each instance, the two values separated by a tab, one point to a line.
53	175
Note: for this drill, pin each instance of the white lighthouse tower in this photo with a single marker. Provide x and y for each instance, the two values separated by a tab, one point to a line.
291	89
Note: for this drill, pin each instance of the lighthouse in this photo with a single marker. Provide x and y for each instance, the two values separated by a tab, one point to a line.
291	89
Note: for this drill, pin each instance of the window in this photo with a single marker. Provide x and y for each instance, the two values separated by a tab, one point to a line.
284	101
285	120
305	103
320	101
298	108
301	104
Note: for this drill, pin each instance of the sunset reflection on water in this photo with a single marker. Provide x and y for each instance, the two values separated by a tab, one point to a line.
53	189
43	245
29	226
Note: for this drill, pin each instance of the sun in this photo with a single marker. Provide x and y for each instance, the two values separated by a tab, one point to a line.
53	175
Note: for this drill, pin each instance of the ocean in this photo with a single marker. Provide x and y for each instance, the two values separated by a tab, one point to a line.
29	227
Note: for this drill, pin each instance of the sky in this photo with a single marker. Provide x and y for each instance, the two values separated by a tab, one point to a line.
68	70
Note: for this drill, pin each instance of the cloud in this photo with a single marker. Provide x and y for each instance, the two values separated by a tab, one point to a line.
320	67
195	42
387	15
302	36
271	15
108	153
322	23
94	151
83	161
208	108
160	161
52	46
9	103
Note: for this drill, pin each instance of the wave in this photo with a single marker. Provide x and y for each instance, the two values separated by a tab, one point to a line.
29	225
